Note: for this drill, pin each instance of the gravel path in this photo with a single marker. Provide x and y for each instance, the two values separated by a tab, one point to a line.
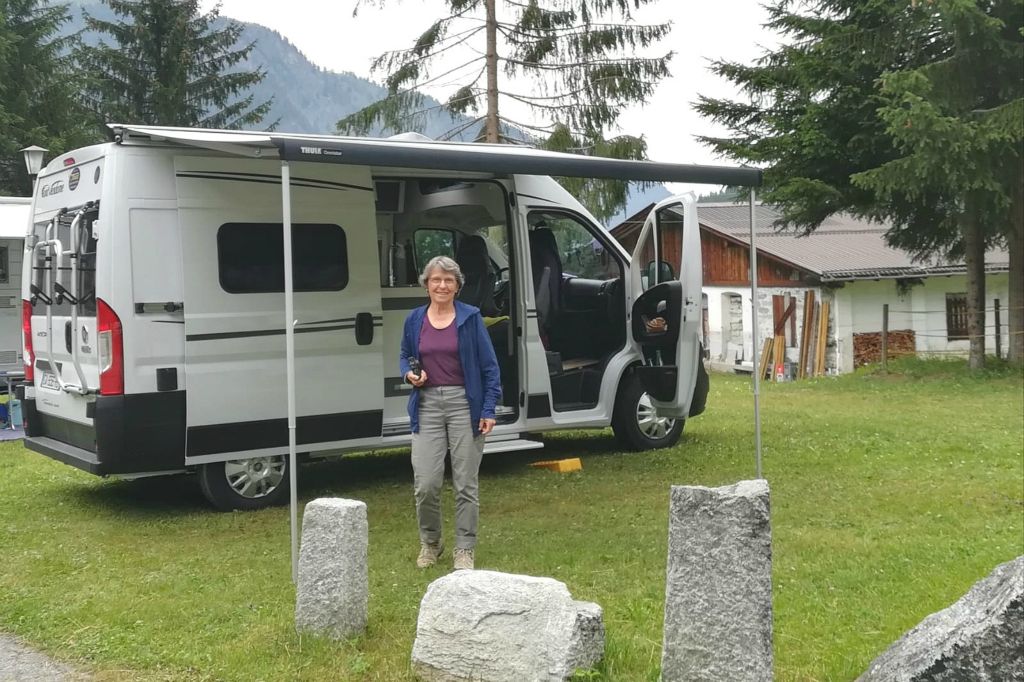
18	663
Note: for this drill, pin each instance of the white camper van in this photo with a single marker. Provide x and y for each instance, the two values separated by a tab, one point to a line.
154	325
14	212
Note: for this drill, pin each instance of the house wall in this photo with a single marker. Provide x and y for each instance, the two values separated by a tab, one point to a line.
729	334
10	304
922	309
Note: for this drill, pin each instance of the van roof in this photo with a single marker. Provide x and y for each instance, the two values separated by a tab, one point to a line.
403	152
14	213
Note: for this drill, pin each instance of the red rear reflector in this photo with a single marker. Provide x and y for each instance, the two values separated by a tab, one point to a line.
111	347
70	161
26	332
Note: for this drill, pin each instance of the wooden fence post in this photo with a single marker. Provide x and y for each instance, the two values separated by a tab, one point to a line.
999	333
885	338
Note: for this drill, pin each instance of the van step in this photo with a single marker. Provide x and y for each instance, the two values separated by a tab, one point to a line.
65	452
511	445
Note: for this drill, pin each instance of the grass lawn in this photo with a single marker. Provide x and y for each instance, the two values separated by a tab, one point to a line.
891	496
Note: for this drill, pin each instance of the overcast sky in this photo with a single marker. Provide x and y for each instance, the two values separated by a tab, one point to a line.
326	32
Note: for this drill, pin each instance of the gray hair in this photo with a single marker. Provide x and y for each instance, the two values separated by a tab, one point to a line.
447	265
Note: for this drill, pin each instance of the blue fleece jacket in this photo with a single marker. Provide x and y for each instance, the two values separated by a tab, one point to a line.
476	353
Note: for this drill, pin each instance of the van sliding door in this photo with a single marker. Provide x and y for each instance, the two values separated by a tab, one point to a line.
235	376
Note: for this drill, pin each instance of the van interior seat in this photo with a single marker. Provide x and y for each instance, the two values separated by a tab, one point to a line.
475	264
546	265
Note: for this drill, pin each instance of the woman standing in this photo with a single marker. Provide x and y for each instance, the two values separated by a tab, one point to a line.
448	358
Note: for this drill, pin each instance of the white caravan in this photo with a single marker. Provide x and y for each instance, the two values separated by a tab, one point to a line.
153	311
14	213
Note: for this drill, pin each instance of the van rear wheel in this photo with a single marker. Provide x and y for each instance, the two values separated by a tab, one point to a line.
245	484
636	422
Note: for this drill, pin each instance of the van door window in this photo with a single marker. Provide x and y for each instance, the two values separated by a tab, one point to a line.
664	245
583	254
250	257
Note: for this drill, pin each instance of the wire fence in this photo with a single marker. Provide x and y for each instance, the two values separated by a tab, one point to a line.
943	312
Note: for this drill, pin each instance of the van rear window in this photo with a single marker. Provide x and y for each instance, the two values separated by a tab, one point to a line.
250	257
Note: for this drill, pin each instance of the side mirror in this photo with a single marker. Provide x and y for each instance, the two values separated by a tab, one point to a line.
664	272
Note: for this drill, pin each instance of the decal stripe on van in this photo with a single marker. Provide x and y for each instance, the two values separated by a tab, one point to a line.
270	180
219	336
273	433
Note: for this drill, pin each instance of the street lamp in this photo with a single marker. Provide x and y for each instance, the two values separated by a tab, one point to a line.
33	161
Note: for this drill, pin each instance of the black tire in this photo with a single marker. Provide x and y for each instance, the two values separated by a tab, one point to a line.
635	424
245	484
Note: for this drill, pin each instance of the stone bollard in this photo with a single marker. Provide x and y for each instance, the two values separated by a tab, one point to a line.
487	626
980	637
331	595
718	597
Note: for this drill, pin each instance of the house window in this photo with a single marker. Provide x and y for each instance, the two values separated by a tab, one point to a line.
250	257
4	264
956	317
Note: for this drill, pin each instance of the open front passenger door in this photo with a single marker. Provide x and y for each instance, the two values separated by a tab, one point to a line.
666	319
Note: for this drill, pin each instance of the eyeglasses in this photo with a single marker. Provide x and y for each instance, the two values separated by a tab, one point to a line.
438	281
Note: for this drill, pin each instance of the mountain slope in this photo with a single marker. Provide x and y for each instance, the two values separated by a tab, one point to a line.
310	99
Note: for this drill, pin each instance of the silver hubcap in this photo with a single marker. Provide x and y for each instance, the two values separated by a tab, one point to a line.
651	425
256	477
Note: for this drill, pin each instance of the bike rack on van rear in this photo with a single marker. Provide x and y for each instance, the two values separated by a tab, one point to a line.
54	245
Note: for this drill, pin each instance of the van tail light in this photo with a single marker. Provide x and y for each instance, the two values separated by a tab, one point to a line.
111	348
26	331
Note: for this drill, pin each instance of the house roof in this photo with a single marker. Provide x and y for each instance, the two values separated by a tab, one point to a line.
842	248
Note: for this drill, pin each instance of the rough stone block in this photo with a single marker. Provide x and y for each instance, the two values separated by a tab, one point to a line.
498	627
718	596
979	638
332	592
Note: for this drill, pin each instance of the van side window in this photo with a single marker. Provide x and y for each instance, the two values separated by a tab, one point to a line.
250	257
583	254
429	243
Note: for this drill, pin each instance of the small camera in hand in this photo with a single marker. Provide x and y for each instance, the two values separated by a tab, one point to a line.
415	367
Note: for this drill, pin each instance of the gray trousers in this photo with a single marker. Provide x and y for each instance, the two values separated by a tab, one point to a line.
445	426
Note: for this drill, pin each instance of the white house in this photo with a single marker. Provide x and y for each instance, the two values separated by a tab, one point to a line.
847	264
14	217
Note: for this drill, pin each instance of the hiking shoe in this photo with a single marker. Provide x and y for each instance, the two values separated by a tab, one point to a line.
463	559
429	554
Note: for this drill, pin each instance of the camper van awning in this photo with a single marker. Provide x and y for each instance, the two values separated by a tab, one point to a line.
429	155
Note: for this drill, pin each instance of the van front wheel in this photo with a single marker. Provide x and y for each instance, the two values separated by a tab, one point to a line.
245	484
636	422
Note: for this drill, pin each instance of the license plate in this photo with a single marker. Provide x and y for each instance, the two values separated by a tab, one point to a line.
50	381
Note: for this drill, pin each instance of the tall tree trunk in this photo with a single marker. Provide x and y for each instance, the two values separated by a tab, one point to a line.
491	117
974	259
1015	243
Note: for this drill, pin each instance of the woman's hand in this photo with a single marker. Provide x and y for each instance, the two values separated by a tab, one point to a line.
486	425
417	381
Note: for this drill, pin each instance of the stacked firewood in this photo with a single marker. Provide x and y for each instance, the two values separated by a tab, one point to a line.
867	347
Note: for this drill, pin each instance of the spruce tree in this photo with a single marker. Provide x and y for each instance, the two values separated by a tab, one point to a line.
168	64
39	101
574	65
817	117
958	126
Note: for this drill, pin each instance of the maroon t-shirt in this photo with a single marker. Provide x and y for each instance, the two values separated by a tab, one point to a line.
439	354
